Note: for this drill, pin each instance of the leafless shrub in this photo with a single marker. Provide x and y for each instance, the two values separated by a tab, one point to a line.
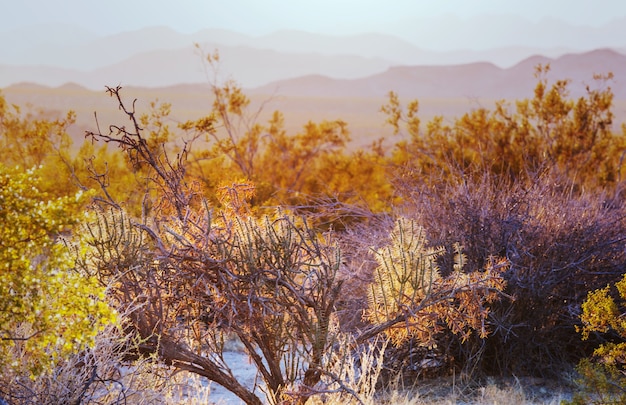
199	276
275	282
561	242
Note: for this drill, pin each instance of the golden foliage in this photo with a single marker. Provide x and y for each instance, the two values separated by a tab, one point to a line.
550	131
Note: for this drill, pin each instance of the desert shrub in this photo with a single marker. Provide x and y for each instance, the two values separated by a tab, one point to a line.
317	168
270	282
49	309
34	138
601	377
551	130
539	184
201	273
559	245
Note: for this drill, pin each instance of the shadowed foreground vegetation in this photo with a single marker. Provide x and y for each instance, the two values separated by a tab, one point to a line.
465	249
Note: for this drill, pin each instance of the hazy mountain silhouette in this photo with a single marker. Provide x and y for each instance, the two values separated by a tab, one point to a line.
160	56
249	66
475	80
442	90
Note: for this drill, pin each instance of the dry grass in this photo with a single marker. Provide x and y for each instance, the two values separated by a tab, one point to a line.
101	375
510	391
445	391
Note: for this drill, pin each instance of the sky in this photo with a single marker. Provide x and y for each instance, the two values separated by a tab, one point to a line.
257	17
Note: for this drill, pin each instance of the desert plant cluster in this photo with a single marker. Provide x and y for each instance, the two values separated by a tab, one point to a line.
492	246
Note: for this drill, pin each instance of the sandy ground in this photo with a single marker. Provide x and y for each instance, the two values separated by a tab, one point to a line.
244	371
522	391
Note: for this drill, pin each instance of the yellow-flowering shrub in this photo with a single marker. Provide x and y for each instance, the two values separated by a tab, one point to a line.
47	309
602	377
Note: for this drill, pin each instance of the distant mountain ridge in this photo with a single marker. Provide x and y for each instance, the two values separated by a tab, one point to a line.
442	90
249	66
475	80
160	56
271	71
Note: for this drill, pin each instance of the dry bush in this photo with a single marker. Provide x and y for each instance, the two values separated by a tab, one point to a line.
561	243
200	274
537	181
352	375
104	375
418	305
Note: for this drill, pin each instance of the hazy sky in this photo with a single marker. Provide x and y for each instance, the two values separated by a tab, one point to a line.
263	16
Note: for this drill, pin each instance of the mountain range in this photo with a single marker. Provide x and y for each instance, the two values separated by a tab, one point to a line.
473	80
449	91
307	76
160	56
